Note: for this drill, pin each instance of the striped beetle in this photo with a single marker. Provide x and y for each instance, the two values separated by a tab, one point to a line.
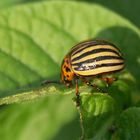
91	58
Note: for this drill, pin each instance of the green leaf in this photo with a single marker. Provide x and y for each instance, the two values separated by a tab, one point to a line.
97	114
32	34
121	92
128	125
34	38
6	3
38	120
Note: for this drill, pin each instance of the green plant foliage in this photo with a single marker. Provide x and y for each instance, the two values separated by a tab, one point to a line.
34	38
97	111
128	126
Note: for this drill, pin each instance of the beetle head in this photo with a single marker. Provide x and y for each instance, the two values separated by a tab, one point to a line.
67	74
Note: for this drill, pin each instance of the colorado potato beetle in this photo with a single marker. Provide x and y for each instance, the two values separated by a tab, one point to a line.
91	58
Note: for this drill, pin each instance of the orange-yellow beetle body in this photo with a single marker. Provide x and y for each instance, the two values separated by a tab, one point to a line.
90	58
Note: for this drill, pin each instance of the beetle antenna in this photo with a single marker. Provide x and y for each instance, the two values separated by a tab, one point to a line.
45	82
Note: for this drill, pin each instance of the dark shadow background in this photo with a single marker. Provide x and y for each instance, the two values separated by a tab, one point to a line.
129	9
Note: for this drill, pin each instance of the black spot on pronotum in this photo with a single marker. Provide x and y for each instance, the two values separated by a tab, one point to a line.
68	76
67	69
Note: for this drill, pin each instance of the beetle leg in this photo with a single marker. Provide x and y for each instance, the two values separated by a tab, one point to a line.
77	88
77	93
108	80
92	85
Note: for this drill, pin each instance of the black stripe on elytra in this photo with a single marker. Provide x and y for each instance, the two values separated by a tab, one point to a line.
93	52
91	44
99	58
98	66
81	45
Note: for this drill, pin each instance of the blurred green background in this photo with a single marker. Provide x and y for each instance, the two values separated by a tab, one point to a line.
34	37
